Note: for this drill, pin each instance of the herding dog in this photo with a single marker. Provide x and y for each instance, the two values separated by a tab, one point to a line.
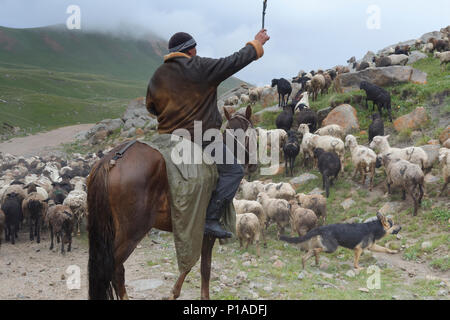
355	236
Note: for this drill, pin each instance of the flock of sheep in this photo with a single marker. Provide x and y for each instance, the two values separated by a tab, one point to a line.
47	192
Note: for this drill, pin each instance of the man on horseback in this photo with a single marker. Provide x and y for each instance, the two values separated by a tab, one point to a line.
184	90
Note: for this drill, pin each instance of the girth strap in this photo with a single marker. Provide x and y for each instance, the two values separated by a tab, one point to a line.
122	152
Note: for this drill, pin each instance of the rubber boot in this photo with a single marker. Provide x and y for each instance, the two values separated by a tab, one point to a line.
212	225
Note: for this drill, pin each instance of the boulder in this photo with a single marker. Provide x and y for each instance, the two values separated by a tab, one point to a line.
445	135
414	120
391	208
322	114
136	109
345	116
368	57
302	179
415	56
381	77
99	137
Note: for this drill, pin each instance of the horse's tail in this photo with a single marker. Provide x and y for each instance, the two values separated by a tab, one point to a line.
101	233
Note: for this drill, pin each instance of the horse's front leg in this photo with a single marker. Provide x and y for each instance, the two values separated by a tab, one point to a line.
176	291
205	268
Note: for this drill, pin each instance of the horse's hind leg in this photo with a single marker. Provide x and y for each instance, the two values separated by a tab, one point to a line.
205	269
119	282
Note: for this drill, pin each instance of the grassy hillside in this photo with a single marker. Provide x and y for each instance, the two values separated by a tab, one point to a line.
52	77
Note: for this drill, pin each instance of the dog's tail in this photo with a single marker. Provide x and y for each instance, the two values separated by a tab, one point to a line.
306	237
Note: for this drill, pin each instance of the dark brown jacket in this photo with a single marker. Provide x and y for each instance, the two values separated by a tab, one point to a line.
184	88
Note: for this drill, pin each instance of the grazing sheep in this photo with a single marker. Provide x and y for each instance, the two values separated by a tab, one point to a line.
444	57
250	190
376	128
276	210
314	202
246	206
333	130
248	229
2	225
60	221
363	158
414	155
280	190
404	174
379	96
34	208
302	220
284	89
318	84
439	45
291	150
286	118
329	166
76	200
309	117
13	216
444	160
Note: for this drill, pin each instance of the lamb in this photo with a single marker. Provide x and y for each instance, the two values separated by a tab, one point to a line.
60	221
444	160
76	200
248	229
2	225
379	96
286	118
444	57
314	202
291	150
34	208
404	174
318	84
414	155
376	128
302	220
333	130
363	158
284	89
329	166
276	210
13	216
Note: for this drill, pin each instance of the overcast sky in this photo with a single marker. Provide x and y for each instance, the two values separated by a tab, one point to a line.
304	34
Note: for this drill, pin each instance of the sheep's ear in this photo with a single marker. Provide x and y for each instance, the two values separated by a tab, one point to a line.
226	113
248	112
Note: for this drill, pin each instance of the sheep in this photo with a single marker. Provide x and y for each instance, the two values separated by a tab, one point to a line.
314	202
291	150
444	160
414	155
361	66
302	80
246	206
333	130
76	200
60	222
341	69
328	81
382	61
306	147
284	89
276	210
404	174
302	220
286	118
329	166
266	137
13	216
402	50
376	128
2	225
318	84
444	57
309	117
379	96
329	144
254	95
34	208
250	190
280	190
248	229
302	101
363	158
60	191
439	45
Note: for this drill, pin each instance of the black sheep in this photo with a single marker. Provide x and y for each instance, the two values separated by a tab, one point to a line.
291	150
12	209
376	128
307	116
286	118
380	97
302	80
60	191
284	89
329	166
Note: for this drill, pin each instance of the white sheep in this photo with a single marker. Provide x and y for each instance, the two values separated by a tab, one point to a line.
315	202
444	57
304	100
444	160
248	229
276	210
414	155
333	130
250	190
306	147
266	137
76	200
363	158
281	190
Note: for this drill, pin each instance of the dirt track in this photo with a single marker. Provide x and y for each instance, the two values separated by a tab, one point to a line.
42	142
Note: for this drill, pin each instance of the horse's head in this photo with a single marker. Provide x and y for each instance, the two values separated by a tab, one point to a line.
241	121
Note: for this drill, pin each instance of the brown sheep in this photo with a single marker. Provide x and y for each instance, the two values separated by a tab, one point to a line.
60	220
317	84
248	229
315	202
302	220
2	225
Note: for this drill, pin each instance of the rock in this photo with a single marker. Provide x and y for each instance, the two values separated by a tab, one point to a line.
426	245
368	57
350	274
223	278
317	191
432	151
415	56
145	284
140	132
324	274
364	290
131	133
136	109
447	144
391	208
442	292
430	179
269	109
414	120
445	135
278	264
433	142
347	204
135	123
98	137
345	116
168	276
241	276
382	77
302	179
301	275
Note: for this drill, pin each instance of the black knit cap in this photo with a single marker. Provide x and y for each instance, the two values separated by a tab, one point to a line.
181	42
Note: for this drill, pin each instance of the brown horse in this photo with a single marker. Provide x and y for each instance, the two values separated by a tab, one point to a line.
127	198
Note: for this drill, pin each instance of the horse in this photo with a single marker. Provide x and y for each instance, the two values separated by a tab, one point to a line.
126	199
